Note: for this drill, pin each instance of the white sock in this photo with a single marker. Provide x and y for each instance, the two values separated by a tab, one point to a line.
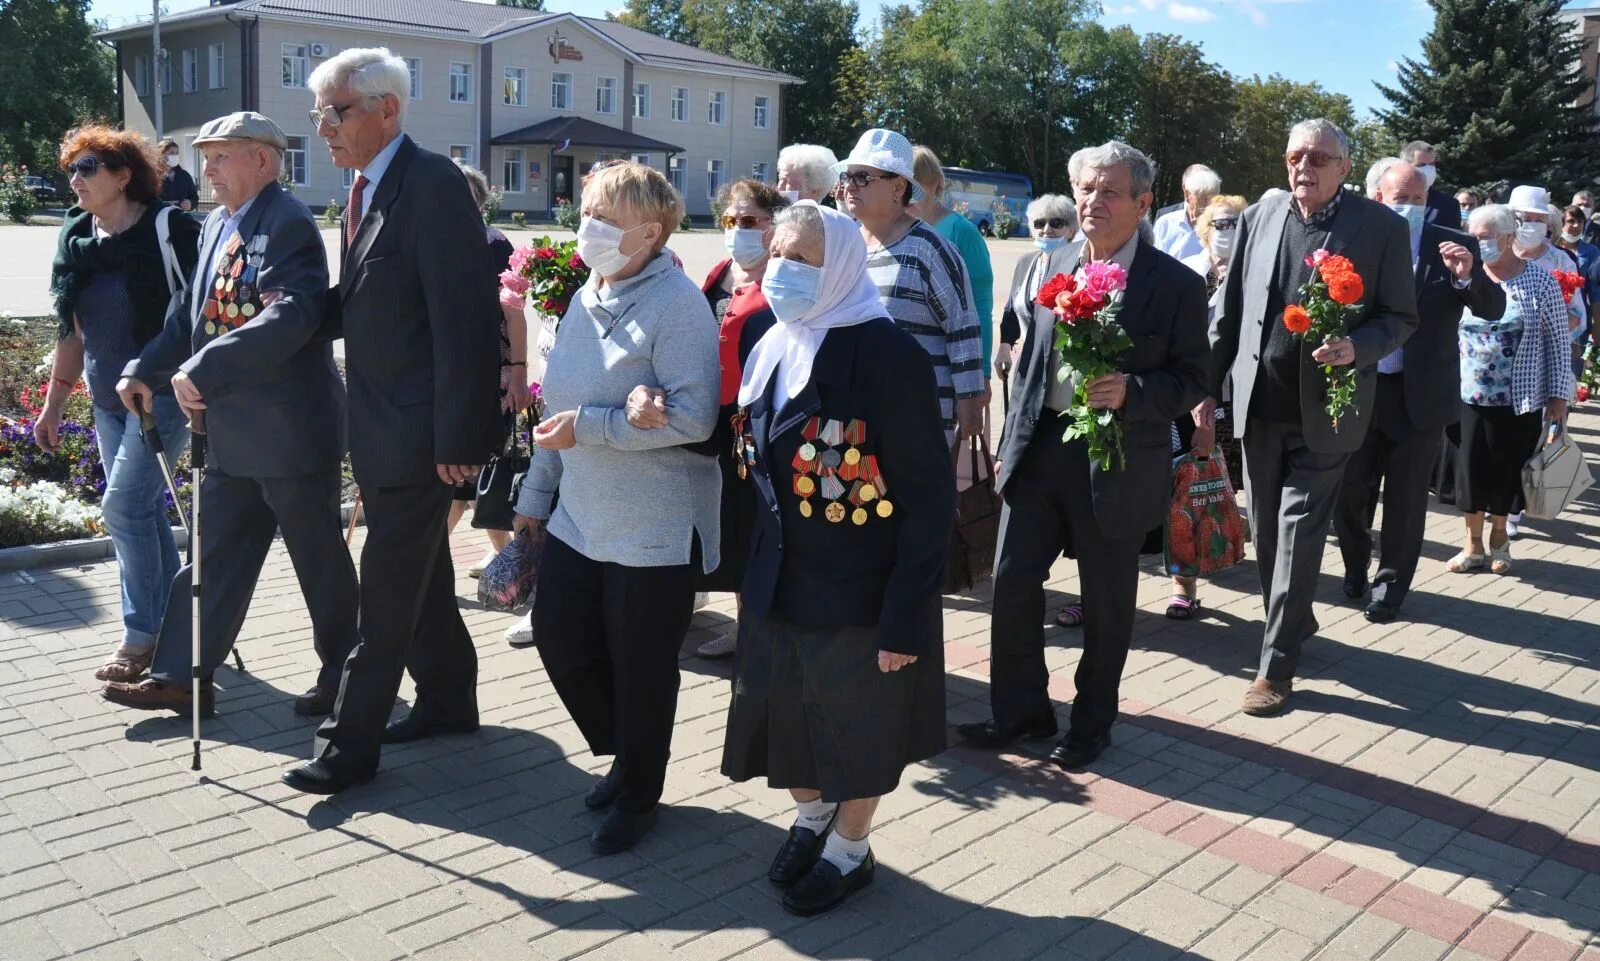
815	815
845	854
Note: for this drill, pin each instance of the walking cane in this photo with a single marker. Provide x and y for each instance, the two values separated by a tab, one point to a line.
355	515
197	461
152	437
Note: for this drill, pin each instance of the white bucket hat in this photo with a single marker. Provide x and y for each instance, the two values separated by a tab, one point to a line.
883	150
1530	200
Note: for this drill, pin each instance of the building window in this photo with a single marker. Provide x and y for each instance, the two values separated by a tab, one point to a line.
414	66
461	152
191	71
141	75
676	173
680	104
605	95
641	100
461	83
561	91
516	82
762	110
166	74
295	65
713	178
642	159
714	108
349	177
758	171
294	159
511	171
218	65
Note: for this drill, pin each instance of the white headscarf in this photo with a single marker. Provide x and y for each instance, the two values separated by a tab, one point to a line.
846	296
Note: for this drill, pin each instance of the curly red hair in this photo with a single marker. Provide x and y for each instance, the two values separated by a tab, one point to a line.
118	150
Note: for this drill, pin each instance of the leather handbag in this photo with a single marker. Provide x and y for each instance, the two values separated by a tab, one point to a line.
500	482
1555	476
970	560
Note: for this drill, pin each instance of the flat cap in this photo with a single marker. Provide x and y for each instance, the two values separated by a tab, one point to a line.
244	125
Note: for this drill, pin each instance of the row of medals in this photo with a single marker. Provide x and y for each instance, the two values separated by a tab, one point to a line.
218	315
869	483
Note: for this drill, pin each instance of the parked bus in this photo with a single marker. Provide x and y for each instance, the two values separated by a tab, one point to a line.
980	189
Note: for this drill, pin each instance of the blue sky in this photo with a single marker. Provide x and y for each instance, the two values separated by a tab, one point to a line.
1346	45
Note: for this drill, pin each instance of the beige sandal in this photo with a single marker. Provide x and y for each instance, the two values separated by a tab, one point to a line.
126	664
1500	558
1465	561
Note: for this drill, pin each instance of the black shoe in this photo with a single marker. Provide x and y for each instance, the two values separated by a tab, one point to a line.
1380	612
316	702
316	777
1355	585
622	829
413	727
605	791
823	887
799	853
1073	753
989	734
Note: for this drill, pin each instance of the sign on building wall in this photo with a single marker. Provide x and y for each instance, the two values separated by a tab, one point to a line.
535	171
559	50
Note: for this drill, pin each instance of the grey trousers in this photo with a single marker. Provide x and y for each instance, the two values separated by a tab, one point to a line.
1294	492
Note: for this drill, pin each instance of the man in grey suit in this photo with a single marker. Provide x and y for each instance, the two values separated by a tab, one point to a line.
417	308
242	346
1056	498
1294	455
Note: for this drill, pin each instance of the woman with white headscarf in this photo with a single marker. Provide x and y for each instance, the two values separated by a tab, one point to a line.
839	676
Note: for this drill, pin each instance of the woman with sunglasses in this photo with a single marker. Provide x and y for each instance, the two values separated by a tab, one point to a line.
1053	223
111	289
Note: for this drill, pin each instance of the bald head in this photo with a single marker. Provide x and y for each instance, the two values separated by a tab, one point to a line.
1402	183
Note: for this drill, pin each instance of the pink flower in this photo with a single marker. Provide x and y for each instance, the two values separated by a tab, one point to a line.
513	281
1316	257
1102	278
520	258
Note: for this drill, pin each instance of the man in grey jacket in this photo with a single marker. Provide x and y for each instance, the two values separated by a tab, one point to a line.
1294	452
241	347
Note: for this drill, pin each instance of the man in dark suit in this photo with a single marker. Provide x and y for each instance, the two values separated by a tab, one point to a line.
1056	498
242	347
1443	210
1294	454
1418	394
416	307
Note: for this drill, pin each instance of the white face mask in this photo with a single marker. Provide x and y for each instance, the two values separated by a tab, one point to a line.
744	245
1489	249
1571	237
1531	234
600	246
1222	244
1430	173
172	159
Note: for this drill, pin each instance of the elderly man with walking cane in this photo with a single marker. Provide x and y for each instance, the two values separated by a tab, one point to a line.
240	348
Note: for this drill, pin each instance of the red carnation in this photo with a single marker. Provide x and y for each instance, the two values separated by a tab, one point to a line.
1570	283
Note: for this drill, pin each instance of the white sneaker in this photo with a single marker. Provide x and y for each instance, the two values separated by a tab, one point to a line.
719	647
477	569
521	633
701	599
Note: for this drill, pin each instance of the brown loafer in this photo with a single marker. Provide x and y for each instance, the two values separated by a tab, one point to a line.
316	702
126	664
154	695
1266	698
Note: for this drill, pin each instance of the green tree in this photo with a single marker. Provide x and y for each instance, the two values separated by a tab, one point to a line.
524	4
1264	112
664	18
1500	91
53	76
1183	111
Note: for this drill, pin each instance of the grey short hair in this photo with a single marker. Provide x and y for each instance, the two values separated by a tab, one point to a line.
477	182
1115	153
365	71
1377	170
1498	218
813	162
804	219
1410	151
1202	180
1583	193
1319	127
1046	206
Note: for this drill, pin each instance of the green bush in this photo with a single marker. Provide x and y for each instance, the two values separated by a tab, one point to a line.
567	215
330	213
1005	222
491	205
40	512
519	220
18	202
685	225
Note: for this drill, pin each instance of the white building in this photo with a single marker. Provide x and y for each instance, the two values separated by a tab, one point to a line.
531	98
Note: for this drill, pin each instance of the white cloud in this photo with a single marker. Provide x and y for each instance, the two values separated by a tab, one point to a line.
1184	13
1394	66
1150	4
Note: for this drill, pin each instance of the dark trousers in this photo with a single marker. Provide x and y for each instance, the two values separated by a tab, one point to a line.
1401	456
609	635
238	518
1049	508
409	622
1294	492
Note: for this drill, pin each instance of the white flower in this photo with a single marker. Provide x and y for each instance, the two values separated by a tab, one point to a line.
47	364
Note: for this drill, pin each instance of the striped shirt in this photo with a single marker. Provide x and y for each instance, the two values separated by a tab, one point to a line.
924	287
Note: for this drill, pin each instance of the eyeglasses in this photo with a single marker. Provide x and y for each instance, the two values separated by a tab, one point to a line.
746	222
330	115
860	178
85	166
1315	158
1054	223
1224	223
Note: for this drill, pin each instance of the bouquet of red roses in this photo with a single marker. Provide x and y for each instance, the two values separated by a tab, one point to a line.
1328	303
547	274
1571	282
1091	343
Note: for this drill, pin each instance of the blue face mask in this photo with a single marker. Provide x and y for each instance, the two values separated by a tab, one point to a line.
744	245
791	288
1414	214
1489	250
1049	244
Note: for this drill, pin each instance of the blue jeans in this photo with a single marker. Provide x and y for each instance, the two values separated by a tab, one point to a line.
135	513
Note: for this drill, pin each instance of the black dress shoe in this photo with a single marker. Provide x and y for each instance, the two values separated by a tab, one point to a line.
1380	612
622	829
990	734
316	702
799	854
824	888
1073	753
1355	585
605	791
414	728
316	777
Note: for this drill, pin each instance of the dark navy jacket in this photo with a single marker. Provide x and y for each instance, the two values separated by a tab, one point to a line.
885	572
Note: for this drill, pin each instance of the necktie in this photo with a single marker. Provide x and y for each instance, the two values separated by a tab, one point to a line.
352	213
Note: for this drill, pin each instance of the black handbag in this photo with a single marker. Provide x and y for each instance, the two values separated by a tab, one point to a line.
500	482
970	560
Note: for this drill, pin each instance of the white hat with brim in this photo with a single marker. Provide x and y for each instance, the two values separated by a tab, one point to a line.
883	150
1529	199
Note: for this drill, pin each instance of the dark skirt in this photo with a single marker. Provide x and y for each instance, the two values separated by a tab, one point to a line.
1495	444
811	710
738	511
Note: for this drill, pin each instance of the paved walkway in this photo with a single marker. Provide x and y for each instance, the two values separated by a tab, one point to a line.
1432	795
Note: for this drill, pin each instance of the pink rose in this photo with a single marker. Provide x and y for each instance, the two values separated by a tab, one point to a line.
514	282
1102	278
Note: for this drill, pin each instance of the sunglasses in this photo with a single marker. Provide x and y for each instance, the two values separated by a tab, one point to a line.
1054	223
860	178
330	115
746	222
86	166
1224	223
1315	158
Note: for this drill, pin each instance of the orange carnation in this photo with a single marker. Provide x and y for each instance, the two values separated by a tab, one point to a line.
1296	319
1345	288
